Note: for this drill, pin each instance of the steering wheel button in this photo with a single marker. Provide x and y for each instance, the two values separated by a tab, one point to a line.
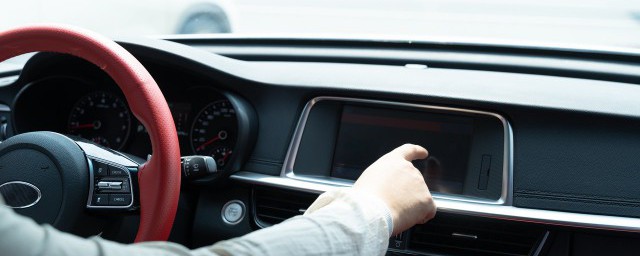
125	186
117	172
110	185
101	199
103	185
119	200
100	169
115	185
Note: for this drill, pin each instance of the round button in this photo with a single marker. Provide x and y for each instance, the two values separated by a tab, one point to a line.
233	212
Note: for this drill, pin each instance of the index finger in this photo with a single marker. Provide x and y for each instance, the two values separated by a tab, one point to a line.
411	152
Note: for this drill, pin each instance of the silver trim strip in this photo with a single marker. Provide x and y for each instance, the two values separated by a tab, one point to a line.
505	195
8	80
505	212
4	108
541	245
465	236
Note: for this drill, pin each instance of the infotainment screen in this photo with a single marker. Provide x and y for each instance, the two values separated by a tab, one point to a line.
366	133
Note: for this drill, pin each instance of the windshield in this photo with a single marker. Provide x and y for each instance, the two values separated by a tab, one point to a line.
565	22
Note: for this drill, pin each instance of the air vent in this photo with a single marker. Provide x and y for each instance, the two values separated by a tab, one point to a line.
272	206
466	235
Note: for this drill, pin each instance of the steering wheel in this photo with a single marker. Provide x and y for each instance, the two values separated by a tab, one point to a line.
76	169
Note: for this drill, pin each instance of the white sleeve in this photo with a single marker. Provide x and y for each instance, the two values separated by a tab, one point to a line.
340	222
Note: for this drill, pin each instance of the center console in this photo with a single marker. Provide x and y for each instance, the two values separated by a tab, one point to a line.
338	138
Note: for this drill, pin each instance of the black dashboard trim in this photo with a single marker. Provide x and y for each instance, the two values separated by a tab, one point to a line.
527	90
537	48
597	63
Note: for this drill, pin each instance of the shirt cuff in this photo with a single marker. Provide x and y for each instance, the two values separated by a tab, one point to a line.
377	203
372	203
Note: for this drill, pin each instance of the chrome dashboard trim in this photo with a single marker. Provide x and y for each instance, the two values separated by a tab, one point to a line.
507	167
8	80
4	108
505	212
541	245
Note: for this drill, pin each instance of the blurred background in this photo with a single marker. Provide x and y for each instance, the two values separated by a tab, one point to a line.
573	22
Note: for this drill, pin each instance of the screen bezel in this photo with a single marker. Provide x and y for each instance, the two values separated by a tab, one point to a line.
504	131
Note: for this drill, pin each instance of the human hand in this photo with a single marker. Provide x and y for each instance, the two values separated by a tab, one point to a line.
395	180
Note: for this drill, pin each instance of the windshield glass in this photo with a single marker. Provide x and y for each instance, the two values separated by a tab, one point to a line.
566	22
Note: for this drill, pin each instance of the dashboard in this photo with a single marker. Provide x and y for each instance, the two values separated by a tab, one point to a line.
535	149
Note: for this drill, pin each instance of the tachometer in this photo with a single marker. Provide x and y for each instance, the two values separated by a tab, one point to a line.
101	117
214	131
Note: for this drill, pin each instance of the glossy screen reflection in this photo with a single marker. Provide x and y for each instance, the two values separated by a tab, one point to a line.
367	133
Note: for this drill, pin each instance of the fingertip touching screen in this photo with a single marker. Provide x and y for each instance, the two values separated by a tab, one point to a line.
366	133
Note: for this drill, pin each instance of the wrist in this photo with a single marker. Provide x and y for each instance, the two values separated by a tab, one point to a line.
380	205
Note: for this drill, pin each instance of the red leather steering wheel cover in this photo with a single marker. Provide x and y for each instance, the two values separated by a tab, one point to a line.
159	178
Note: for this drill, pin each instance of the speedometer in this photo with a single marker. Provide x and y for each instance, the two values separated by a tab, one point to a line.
101	117
214	131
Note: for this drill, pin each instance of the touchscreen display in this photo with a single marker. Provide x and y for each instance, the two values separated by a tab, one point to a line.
367	133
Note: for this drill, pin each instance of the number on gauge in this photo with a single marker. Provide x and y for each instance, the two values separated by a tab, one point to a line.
101	117
214	130
221	155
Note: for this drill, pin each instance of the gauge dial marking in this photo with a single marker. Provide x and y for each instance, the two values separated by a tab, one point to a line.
101	117
213	131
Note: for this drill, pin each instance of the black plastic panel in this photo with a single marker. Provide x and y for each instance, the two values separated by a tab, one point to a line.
318	140
208	225
578	163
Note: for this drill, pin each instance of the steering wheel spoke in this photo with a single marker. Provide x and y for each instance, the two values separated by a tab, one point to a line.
112	179
113	190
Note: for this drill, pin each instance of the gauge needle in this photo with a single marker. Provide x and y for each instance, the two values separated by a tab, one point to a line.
82	126
214	139
226	155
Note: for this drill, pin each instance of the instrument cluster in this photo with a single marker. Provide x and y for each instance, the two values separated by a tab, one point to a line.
206	119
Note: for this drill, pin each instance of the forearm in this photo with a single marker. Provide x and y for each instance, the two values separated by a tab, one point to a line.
338	223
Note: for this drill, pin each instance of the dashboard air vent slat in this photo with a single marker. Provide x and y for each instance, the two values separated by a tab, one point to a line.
272	206
464	235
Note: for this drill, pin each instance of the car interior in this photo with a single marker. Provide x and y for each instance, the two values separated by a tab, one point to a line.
534	149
